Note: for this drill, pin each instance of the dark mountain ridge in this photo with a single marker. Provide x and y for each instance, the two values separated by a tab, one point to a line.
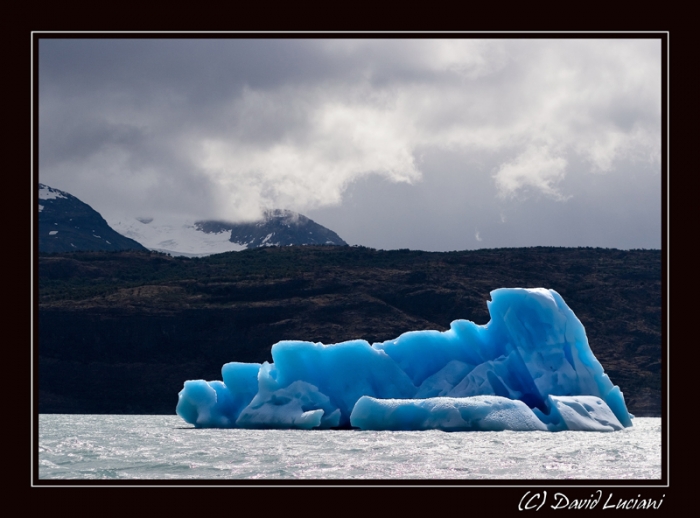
277	228
67	224
119	332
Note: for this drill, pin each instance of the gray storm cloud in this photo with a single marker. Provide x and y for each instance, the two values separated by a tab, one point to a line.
230	128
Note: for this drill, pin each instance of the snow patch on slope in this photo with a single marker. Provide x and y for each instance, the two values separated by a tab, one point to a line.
178	238
49	193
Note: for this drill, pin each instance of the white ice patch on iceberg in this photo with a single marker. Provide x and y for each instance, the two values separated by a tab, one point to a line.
529	368
584	413
485	413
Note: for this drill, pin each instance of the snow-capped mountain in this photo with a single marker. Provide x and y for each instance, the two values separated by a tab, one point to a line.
66	224
277	228
199	238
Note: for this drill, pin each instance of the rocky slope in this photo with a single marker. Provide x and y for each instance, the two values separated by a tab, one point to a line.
277	228
67	224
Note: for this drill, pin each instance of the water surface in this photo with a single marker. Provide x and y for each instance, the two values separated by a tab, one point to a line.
165	447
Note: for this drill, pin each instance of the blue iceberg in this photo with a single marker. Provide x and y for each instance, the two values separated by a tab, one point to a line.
529	368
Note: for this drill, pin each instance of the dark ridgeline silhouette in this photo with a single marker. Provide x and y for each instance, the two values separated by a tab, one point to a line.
66	224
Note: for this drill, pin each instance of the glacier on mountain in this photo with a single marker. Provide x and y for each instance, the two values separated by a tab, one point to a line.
182	236
177	236
529	368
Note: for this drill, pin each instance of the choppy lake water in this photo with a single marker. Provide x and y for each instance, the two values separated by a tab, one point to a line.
167	448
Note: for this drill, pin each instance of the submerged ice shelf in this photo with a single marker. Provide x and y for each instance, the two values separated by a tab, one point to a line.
529	368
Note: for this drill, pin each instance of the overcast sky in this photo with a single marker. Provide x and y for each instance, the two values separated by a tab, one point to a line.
432	144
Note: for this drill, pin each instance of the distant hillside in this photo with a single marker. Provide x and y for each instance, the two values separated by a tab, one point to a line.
119	332
67	224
